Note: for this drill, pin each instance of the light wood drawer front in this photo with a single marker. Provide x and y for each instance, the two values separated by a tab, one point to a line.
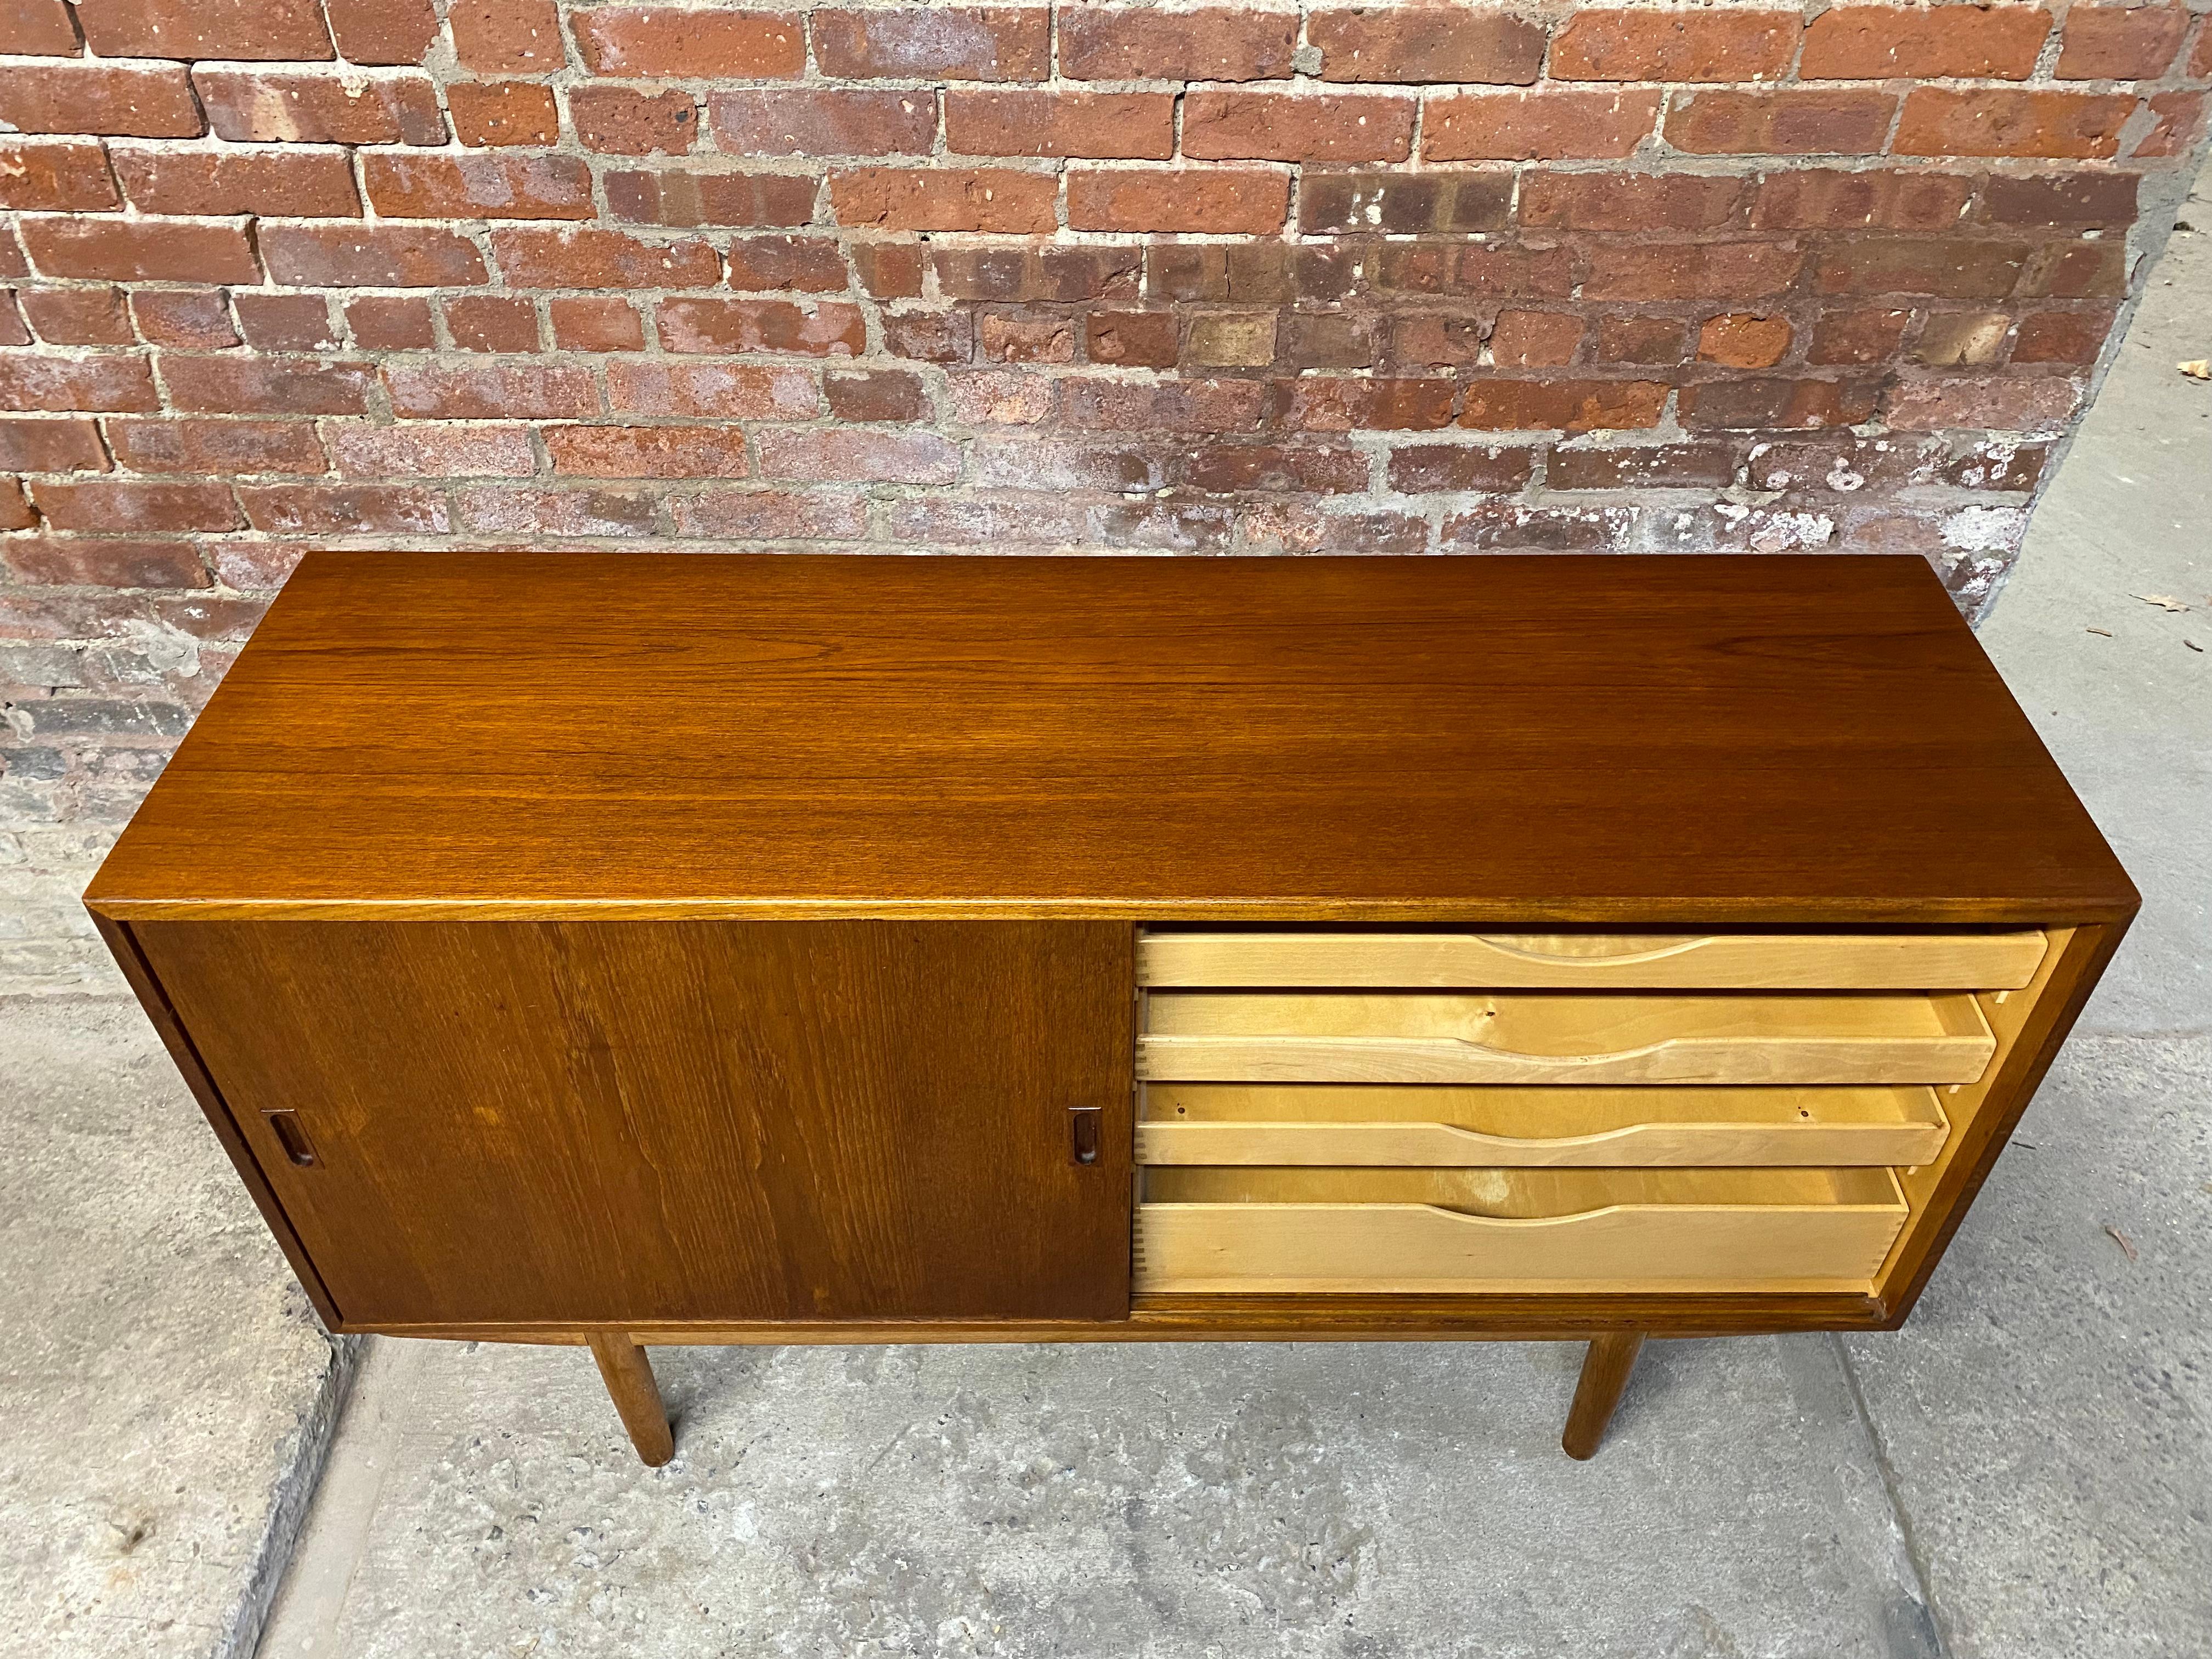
1448	1231
1795	962
1348	1037
1295	1123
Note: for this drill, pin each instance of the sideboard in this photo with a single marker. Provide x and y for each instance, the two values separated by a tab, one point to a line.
618	950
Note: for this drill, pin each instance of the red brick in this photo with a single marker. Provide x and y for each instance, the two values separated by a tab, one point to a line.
1426	43
936	43
1131	125
1534	339
1994	402
1233	469
1506	526
2120	43
77	316
622	121
1423	468
929	337
1809	122
491	322
405	186
591	257
670	196
1336	402
2083	199
504	112
1857	337
486	391
1397	203
1552	124
999	398
1218	43
951	198
1016	338
1640	340
127	504
1939	121
13	329
737	392
828	121
1820	198
311	184
888	271
1275	126
1669	44
507	37
725	326
1926	43
1460	268
432	451
1641	466
2200	60
1563	405
1190	404
186	445
285	322
1948	268
140	251
2061	336
1750	404
266	385
37	28
536	512
55	178
103	98
1133	339
321	108
2075	271
289	29
834	455
346	509
1039	273
15	512
875	394
73	561
807	265
1629	201
391	323
1224	201
1327	341
36	445
647	452
1958	339
1700	271
2178	118
196	318
382	31
691	43
1741	340
770	515
369	255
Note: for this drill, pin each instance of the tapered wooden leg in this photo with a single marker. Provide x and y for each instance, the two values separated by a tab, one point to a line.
629	1377
1605	1374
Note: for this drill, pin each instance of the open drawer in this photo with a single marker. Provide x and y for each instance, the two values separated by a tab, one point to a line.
1329	1123
1336	1231
1784	962
1532	1036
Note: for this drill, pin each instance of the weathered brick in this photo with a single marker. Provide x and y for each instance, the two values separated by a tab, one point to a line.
677	197
1276	126
806	264
723	326
298	184
1958	339
109	99
1504	405
825	121
587	257
1191	404
504	112
488	391
1670	44
194	318
875	394
2176	119
1019	337
1314	469
1337	402
1996	403
2061	336
1220	339
1402	204
1460	268
1511	526
346	509
624	121
1133	339
285	322
1629	201
417	186
1641	466
125	504
1129	125
370	256
1326	340
836	455
1977	463
2120	43
1691	270
2010	121
77	316
1534	339
1631	339
222	447
1218	43
646	451
1792	122
929	337
432	451
75	561
507	37
998	398
266	385
491	322
1418	469
1550	123
935	43
771	515
321	108
1431	340
741	391
1822	198
49	445
391	323
1926	43
1418	43
1857	337
2075	271
1750	404
140	251
37	28
952	198
689	43
1948	268
382	31
1741	340
62	177
540	512
15	511
595	323
206	28
1240	201
2084	199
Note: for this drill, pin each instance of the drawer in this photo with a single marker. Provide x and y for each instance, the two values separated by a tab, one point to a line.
1321	1123
1335	1230
1512	1036
1808	961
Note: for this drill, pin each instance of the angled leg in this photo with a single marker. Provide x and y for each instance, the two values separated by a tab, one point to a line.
629	1377
1605	1374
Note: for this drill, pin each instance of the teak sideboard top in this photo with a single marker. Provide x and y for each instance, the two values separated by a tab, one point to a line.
1548	738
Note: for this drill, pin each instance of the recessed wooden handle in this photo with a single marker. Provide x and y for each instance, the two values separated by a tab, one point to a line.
1083	1132
284	1124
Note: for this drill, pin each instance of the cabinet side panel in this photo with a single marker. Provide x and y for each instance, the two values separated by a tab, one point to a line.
627	1122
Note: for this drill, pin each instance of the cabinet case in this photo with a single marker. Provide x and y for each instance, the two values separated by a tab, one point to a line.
621	950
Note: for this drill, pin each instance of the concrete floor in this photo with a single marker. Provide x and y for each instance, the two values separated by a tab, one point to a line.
2025	1471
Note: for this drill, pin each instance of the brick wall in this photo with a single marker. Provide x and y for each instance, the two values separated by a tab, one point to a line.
1223	279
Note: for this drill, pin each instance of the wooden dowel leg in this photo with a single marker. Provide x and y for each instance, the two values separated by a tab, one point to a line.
629	1377
1605	1374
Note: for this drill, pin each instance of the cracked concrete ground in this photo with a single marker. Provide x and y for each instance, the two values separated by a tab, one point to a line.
2023	1472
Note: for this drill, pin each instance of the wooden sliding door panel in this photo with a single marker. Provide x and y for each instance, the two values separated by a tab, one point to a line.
627	1122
